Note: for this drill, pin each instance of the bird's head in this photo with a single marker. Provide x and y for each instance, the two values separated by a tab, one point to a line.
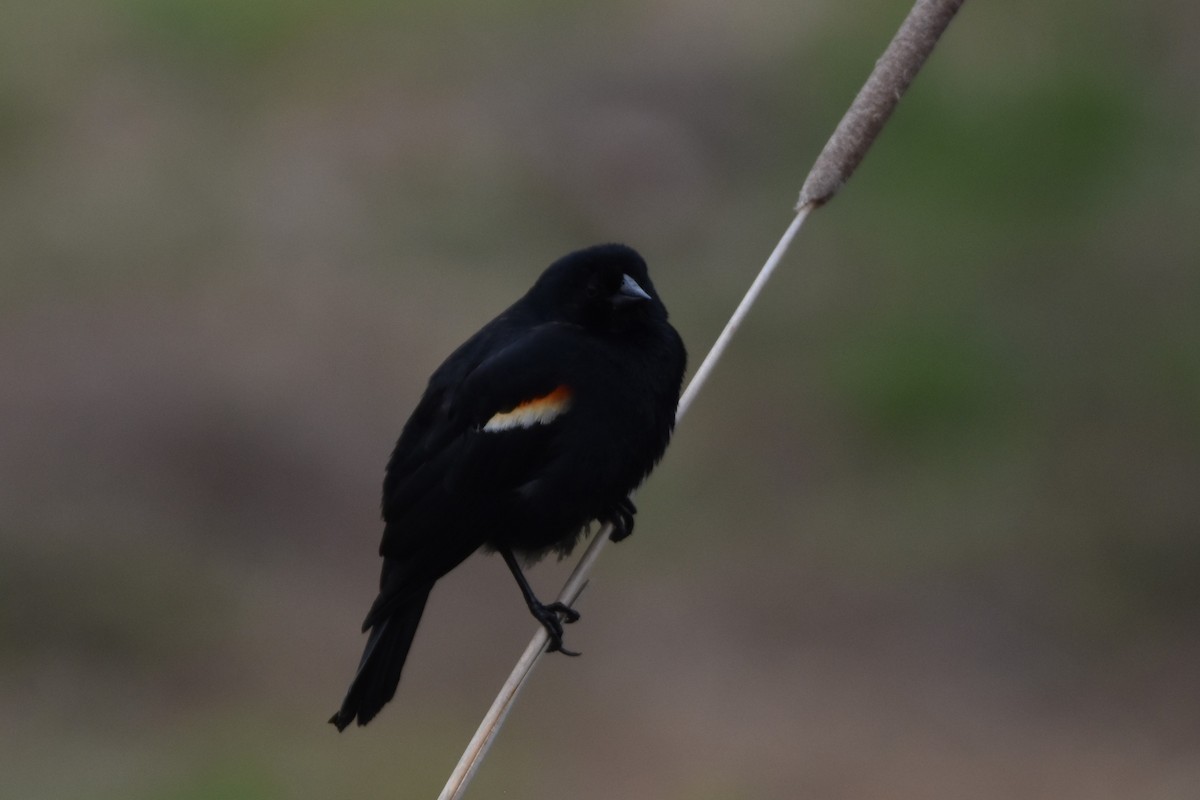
602	288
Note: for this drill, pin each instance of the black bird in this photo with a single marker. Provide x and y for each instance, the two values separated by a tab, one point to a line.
542	422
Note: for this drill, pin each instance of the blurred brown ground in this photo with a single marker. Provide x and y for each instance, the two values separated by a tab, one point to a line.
933	531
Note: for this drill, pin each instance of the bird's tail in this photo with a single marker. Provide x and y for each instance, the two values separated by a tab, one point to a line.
382	660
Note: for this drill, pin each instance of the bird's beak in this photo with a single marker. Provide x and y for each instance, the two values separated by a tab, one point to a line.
630	292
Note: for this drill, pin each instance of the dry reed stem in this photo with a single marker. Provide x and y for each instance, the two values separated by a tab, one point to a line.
851	140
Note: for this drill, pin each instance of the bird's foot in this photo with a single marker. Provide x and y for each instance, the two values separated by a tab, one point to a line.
552	616
622	520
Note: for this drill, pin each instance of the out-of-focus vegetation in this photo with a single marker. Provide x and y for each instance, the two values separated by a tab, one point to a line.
933	530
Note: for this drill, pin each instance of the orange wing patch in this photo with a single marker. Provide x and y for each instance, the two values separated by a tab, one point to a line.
538	411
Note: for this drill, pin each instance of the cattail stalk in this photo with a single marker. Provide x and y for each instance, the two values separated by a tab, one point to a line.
842	154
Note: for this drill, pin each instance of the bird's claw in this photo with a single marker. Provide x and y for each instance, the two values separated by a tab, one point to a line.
622	520
552	617
568	614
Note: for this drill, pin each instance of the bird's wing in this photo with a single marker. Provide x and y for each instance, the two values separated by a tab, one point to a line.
480	429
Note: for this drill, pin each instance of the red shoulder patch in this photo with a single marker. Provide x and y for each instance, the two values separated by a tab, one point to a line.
535	411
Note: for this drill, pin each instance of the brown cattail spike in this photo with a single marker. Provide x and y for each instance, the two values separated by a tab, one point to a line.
893	72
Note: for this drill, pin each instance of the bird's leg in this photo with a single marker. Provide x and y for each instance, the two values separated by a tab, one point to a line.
622	520
548	615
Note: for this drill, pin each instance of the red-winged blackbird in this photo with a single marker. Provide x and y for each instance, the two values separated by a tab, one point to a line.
543	421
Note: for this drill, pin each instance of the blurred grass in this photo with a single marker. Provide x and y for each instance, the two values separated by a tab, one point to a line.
931	530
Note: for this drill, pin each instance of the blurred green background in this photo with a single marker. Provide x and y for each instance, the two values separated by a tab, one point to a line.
932	531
